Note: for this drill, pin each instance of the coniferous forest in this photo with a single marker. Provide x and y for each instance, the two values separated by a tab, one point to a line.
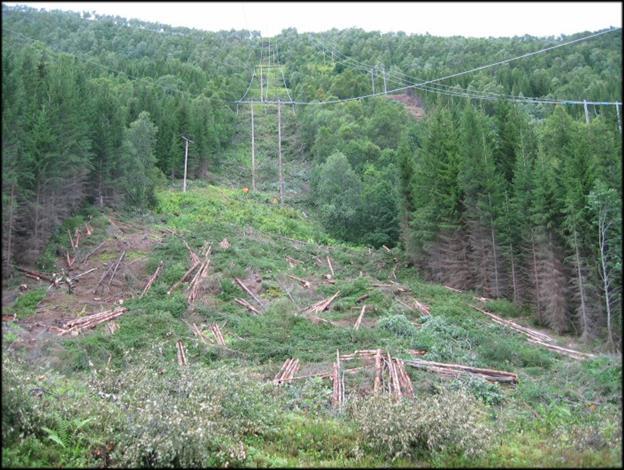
500	182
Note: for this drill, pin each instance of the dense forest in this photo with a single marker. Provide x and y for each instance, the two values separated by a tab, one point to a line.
515	200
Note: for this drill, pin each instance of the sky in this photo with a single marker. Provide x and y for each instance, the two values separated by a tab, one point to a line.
478	19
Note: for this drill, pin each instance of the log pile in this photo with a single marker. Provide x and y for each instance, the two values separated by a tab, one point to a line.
455	370
198	278
216	331
152	279
287	372
320	306
90	321
196	274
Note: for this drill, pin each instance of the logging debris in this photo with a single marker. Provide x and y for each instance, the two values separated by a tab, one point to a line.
200	275
359	320
322	305
287	372
454	370
304	283
77	325
248	291
181	354
248	306
152	279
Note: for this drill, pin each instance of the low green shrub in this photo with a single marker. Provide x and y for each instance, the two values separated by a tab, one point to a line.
451	421
398	325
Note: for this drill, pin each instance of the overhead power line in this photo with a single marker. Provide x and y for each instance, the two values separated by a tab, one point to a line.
519	99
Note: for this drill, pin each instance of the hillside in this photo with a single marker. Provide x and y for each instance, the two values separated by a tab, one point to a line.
394	250
90	398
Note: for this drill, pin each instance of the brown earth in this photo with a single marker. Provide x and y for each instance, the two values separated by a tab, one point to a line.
413	104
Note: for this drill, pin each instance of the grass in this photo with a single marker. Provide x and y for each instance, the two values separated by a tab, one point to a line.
561	413
26	304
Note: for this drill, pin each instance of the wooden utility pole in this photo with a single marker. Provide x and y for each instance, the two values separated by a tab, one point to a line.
373	79
261	92
279	150
586	112
383	69
186	142
253	153
617	111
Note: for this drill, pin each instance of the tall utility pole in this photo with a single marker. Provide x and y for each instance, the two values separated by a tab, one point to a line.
279	151
261	92
373	79
253	153
186	142
617	111
267	73
383	69
586	112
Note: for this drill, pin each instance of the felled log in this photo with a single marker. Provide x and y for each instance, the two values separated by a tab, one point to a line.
359	320
197	332
303	282
75	278
454	369
536	335
216	331
112	276
35	275
194	257
152	279
565	351
248	306
322	305
452	289
184	278
287	372
200	275
292	261
90	321
377	383
331	268
86	257
404	378
181	354
251	294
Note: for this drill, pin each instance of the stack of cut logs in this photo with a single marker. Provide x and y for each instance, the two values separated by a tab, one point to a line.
390	374
320	306
287	372
83	323
200	268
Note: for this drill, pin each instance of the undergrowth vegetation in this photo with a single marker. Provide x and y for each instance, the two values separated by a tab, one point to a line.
121	399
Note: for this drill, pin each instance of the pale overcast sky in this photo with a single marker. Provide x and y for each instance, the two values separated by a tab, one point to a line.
438	19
